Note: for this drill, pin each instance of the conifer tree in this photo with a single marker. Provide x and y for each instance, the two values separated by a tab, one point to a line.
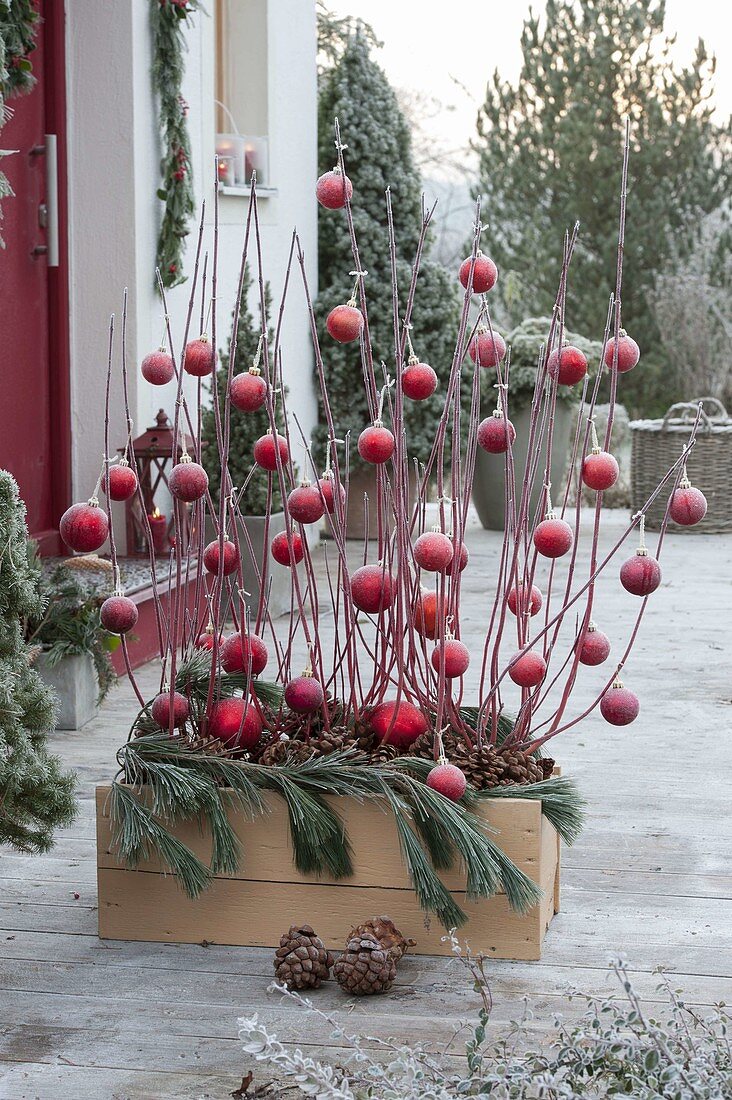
379	154
548	155
36	796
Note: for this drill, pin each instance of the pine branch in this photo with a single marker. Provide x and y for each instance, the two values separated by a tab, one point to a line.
561	803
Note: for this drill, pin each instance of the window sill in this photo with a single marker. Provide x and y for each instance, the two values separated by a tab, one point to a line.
245	191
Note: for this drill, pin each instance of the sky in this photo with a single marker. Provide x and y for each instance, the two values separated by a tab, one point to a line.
449	55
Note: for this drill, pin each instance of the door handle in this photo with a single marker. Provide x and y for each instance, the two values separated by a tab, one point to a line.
52	199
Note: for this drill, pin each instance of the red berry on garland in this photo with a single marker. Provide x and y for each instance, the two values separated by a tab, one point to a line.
372	589
118	614
419	381
528	670
447	780
425	614
305	504
688	505
304	694
122	481
552	537
236	722
485	273
487	348
333	189
327	488
376	444
594	647
628	352
265	454
433	551
641	574
199	357
406	721
84	527
211	557
457	657
188	481
600	469
619	706
344	323
158	367
237	651
495	433
534	602
569	364
160	709
248	391
281	548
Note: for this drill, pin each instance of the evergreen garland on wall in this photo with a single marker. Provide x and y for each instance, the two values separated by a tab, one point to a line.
18	28
167	22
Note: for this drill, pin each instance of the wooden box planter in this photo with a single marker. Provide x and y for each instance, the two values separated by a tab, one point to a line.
254	907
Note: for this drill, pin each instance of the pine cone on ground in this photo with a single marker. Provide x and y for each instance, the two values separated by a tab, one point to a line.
386	932
302	961
365	967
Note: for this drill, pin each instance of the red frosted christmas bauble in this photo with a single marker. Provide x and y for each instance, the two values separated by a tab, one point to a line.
553	537
457	658
486	349
640	575
485	273
372	589
122	482
236	722
344	323
433	552
688	506
376	444
628	352
534	601
305	504
594	647
304	694
528	670
205	640
158	368
281	548
84	527
265	454
463	557
237	651
211	557
160	709
188	481
425	614
118	614
419	381
600	471
198	358
248	391
569	364
619	706
327	485
333	189
409	723
496	434
448	781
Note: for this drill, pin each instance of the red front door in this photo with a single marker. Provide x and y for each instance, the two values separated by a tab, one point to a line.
33	295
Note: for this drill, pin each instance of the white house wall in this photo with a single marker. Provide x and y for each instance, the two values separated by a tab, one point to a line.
114	213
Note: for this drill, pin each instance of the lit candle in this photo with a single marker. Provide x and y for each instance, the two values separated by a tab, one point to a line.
159	530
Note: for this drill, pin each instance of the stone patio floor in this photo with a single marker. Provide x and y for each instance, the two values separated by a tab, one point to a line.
650	878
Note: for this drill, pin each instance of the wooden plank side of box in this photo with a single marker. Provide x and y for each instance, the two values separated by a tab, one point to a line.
147	904
267	851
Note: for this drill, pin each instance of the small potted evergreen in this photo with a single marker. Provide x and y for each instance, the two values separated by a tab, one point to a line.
526	341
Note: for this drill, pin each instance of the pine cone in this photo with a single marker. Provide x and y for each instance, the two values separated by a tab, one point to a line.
284	750
302	961
365	967
322	744
386	932
547	766
382	754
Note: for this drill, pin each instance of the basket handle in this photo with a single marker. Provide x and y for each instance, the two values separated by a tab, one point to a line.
692	406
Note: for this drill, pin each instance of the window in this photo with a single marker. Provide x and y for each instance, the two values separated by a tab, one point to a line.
242	92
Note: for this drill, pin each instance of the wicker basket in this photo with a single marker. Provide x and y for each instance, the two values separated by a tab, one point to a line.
657	445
